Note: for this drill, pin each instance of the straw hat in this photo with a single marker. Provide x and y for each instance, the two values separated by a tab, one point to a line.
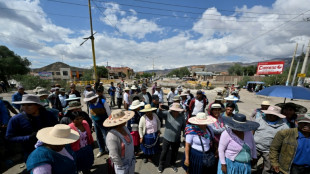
42	92
231	98
303	118
148	108
136	104
74	105
274	110
89	96
127	89
202	119
176	98
60	134
298	108
133	87
37	89
118	117
240	123
219	98
72	97
28	99
62	90
183	94
216	106
176	107
266	103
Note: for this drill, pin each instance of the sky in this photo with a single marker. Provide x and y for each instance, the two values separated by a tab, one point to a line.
170	33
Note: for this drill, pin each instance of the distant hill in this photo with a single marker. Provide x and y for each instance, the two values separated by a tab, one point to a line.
56	66
223	67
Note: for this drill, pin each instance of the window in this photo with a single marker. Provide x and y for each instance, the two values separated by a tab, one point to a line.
53	73
65	73
58	73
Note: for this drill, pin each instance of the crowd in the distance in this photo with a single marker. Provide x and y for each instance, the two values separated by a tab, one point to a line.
56	135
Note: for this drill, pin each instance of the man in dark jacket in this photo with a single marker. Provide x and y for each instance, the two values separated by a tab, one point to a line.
23	127
73	90
145	95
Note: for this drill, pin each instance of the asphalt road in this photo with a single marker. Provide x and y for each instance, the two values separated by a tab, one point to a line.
249	102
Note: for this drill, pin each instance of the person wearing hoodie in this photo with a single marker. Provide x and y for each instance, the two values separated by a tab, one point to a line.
270	124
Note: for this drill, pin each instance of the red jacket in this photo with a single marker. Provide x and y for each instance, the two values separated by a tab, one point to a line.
76	145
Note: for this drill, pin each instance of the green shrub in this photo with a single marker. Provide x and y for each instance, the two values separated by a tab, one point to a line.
31	82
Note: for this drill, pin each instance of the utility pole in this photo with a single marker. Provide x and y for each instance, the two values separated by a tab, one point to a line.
297	66
92	42
153	67
304	65
292	63
108	70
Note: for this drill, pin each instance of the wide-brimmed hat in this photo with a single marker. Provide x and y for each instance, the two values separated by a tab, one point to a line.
202	119
176	107
157	87
42	92
74	105
133	87
216	106
183	94
143	87
72	97
231	98
62	90
60	134
219	98
265	103
127	89
298	108
303	118
274	110
89	96
88	86
180	89
240	123
136	104
148	108
176	98
29	99
37	89
118	117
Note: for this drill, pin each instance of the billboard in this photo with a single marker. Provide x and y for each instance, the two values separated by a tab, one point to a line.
266	68
45	75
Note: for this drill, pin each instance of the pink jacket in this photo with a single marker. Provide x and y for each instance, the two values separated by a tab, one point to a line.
230	145
76	145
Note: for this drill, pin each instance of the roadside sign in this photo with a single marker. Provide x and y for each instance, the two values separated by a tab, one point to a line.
267	68
301	75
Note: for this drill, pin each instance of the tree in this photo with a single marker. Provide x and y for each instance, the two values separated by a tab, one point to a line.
181	72
102	71
87	75
12	64
146	75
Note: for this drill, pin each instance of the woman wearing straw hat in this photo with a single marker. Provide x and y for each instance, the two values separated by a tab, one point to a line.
199	145
51	154
175	123
84	146
232	99
237	147
219	126
22	128
149	131
133	123
120	142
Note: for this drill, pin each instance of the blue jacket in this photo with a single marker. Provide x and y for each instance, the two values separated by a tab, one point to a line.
21	126
4	115
60	164
15	98
111	92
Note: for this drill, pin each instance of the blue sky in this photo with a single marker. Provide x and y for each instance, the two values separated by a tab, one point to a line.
134	32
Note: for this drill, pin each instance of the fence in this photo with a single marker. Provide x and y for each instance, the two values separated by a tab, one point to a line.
93	81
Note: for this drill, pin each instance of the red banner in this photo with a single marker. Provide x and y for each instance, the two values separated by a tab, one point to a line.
264	68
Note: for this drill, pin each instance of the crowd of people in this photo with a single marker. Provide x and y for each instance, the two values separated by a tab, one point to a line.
56	135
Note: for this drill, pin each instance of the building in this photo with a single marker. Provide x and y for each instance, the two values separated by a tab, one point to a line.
197	68
59	71
120	72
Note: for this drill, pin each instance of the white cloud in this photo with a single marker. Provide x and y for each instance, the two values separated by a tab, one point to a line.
130	24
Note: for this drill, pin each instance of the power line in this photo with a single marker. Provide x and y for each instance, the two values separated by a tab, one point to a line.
238	11
252	40
152	8
164	15
109	20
